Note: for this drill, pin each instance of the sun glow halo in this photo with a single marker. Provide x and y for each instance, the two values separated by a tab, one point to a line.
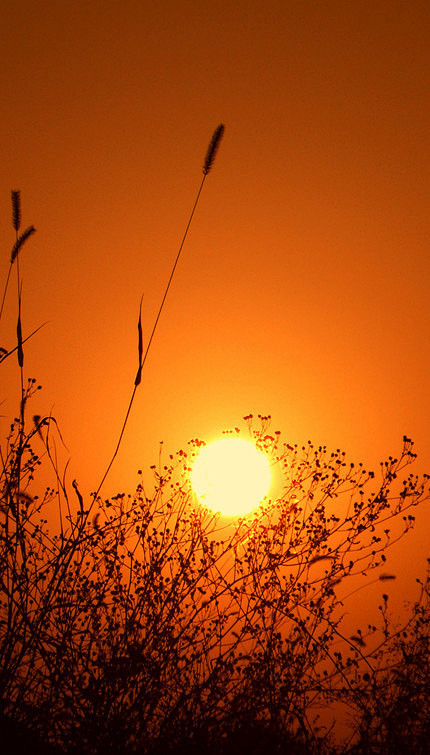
231	476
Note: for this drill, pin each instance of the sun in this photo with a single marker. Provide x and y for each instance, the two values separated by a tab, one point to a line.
231	476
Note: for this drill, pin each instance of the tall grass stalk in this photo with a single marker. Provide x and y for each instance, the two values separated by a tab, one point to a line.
207	165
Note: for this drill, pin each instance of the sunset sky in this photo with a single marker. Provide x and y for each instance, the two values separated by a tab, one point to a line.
303	288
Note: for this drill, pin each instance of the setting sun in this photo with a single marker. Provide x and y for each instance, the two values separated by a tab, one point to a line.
231	476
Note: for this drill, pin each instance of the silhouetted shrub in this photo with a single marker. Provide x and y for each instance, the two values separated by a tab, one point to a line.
144	624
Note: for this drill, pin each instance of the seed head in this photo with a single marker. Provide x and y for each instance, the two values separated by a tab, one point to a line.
20	241
16	209
213	148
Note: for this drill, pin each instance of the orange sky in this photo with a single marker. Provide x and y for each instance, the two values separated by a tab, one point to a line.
303	288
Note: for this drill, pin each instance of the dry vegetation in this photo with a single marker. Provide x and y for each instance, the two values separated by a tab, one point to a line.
140	624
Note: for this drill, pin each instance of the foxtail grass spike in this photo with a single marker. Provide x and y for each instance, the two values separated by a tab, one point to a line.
20	241
16	209
213	148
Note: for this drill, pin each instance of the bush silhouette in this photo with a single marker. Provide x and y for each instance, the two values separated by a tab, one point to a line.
143	623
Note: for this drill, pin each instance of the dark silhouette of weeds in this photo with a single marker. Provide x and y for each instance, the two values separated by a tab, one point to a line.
143	624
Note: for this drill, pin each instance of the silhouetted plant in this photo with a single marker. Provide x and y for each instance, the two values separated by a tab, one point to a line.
145	623
209	160
392	703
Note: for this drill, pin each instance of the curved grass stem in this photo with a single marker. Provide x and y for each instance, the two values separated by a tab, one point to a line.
209	159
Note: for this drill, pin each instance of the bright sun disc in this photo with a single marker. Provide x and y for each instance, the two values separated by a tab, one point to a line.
231	476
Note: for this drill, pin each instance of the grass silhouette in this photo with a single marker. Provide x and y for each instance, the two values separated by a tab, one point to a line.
207	165
143	624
